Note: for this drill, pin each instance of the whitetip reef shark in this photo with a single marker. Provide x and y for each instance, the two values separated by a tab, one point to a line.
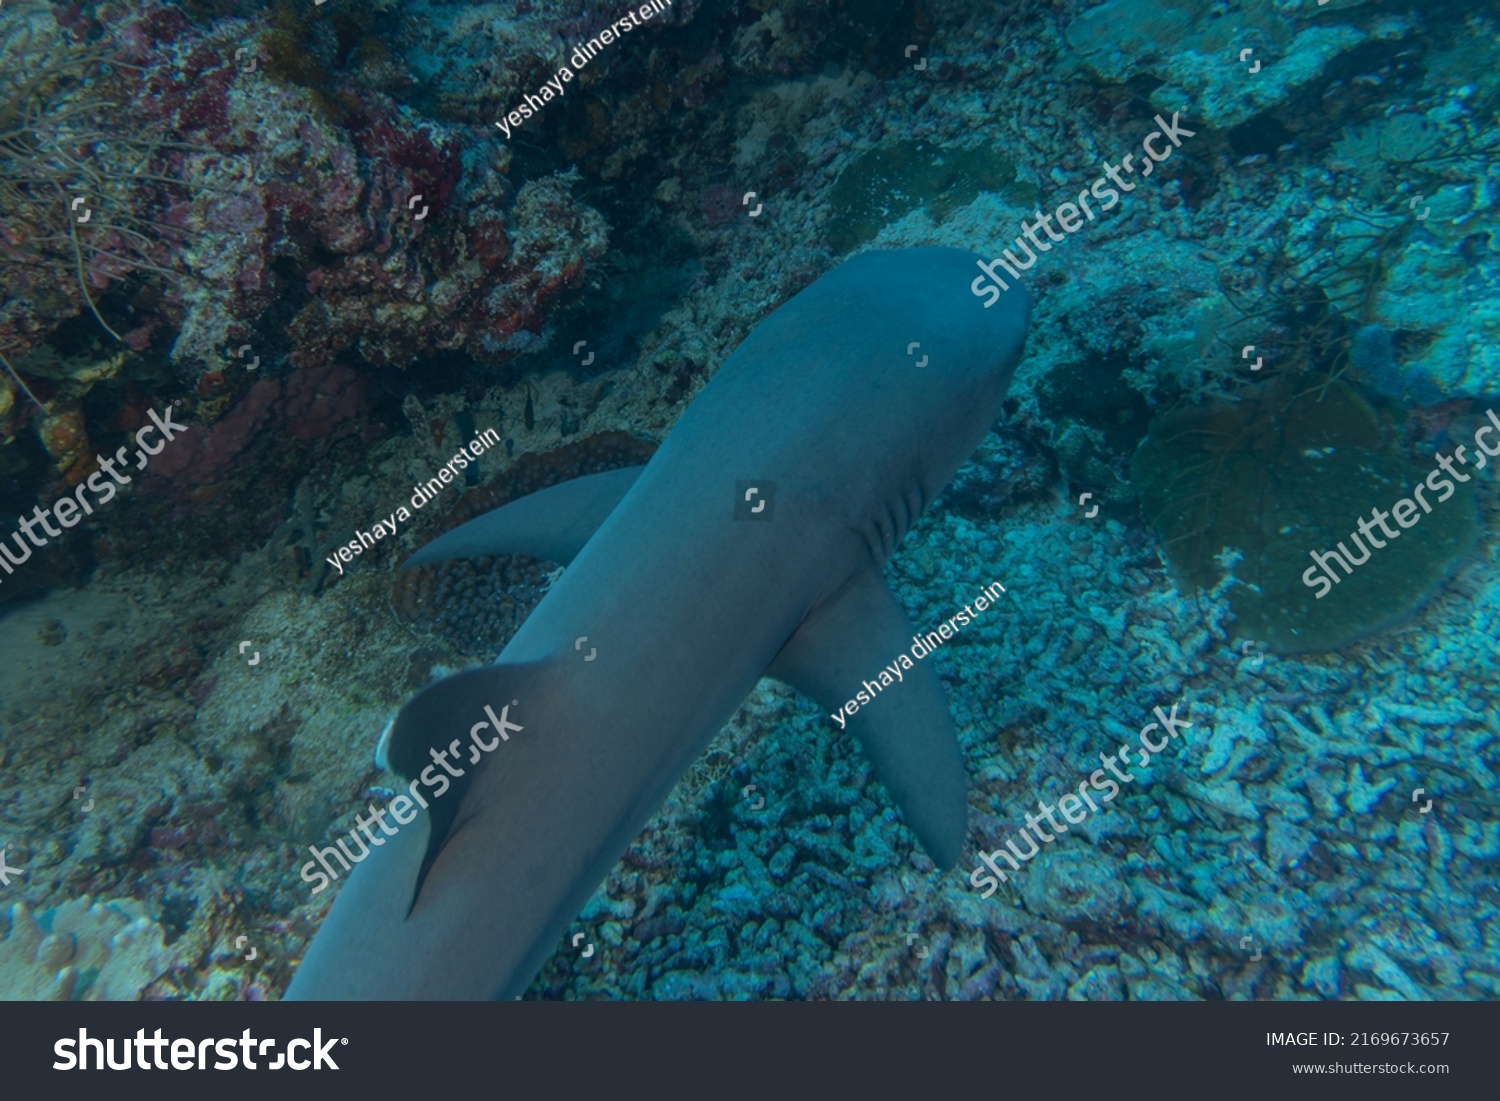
687	596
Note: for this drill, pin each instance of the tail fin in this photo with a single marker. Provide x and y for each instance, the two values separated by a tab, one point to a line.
447	733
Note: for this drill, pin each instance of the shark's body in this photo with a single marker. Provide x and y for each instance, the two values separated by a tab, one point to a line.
686	607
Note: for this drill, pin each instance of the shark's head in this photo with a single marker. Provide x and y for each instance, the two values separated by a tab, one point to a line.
953	385
891	348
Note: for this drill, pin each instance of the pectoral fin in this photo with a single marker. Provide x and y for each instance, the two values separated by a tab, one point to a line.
906	730
552	523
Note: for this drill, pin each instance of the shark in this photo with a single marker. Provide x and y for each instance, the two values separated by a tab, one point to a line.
751	544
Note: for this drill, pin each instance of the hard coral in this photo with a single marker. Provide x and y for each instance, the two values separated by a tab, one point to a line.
81	951
239	180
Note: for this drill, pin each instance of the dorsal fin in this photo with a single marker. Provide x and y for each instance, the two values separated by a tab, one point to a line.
553	523
479	710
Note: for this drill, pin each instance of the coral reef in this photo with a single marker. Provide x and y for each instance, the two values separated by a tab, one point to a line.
310	225
81	951
1190	45
1249	490
255	245
354	216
